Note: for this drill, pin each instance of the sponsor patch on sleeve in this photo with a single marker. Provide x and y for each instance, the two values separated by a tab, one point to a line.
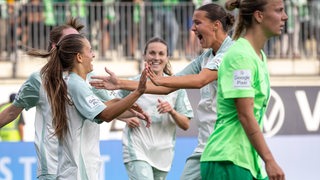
242	78
93	101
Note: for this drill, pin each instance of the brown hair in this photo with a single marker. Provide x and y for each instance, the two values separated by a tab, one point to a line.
167	68
246	10
56	32
61	59
216	12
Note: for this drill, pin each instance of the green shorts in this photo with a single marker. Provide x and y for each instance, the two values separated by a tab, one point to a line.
224	170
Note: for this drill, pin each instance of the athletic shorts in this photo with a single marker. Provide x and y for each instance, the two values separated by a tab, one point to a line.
191	170
143	171
224	170
47	177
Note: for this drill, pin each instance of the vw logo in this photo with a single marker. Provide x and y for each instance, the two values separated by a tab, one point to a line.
274	117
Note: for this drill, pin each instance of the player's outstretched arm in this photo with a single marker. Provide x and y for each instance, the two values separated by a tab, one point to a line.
9	114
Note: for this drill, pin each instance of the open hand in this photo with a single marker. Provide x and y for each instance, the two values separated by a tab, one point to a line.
110	82
142	83
274	171
133	122
163	106
152	76
136	109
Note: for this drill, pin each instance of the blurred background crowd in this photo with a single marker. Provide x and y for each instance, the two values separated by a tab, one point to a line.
119	28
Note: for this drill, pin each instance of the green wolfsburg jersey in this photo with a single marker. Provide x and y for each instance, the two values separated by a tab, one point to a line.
241	74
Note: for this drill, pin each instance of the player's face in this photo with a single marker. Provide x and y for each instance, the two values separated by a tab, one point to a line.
203	28
87	56
274	18
156	56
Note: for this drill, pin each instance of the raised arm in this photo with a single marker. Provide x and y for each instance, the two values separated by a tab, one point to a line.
117	108
134	111
112	82
191	81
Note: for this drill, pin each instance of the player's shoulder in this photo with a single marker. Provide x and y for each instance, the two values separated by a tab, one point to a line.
35	76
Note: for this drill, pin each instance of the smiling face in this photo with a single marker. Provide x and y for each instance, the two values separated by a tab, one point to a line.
156	56
87	56
274	18
204	29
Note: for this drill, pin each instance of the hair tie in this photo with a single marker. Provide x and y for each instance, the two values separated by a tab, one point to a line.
57	46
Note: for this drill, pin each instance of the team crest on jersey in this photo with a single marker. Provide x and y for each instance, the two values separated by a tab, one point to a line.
242	78
93	101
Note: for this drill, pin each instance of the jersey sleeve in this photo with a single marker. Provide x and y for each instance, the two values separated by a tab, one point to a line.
183	104
214	62
28	95
124	93
104	95
85	101
192	68
236	78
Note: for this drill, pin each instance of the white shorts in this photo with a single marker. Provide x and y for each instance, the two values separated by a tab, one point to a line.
191	170
143	171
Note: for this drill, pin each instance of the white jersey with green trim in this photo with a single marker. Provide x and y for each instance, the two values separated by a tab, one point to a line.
206	110
155	144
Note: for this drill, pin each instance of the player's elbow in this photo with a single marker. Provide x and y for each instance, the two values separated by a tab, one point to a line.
200	83
185	126
106	117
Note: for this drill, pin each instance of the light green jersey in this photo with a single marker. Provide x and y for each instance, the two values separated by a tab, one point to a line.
241	74
32	94
155	145
79	149
206	109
